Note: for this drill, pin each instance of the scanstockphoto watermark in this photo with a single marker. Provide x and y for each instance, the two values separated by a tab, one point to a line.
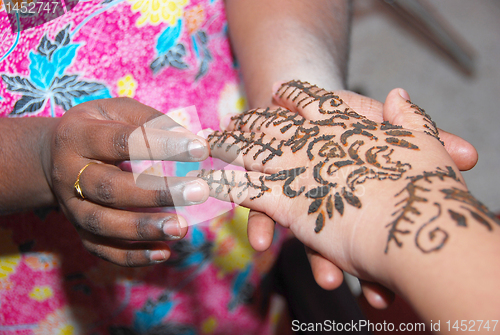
143	149
356	326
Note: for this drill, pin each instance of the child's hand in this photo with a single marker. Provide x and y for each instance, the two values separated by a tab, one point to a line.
100	132
260	227
332	180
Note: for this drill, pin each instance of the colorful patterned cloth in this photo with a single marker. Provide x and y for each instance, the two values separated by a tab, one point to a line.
166	54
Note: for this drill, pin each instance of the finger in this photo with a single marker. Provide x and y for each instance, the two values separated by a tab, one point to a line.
127	254
368	107
254	151
326	274
123	224
462	152
260	230
313	103
377	295
254	190
110	186
272	121
114	141
128	111
398	110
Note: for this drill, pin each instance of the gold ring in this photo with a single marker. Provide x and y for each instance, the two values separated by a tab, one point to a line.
77	182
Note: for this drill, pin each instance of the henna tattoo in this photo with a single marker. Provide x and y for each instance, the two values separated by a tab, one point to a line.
225	185
410	203
429	124
245	142
359	129
467	198
346	149
458	218
352	146
428	238
288	176
335	150
301	137
312	93
399	133
401	143
386	125
432	235
259	118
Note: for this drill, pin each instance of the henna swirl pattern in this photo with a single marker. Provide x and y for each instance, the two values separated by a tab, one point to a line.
343	143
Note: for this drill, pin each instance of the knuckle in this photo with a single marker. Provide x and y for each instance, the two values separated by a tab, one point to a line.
105	190
141	228
63	136
120	144
96	250
146	230
163	197
93	223
130	259
101	108
57	173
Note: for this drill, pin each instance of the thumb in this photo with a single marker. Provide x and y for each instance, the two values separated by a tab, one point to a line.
399	110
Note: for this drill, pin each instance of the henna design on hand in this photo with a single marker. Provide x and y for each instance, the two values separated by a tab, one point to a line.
429	124
225	185
415	197
343	140
339	140
247	143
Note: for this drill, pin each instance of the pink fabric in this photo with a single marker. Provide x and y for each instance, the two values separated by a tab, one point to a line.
49	283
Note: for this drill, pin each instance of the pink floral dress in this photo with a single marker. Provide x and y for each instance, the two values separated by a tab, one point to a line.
167	54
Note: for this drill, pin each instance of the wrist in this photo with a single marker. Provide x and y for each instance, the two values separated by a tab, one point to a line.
405	219
420	224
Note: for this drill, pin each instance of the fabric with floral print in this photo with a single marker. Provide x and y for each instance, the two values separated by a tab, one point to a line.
170	55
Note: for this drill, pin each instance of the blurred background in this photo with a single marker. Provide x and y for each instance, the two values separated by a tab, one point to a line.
387	51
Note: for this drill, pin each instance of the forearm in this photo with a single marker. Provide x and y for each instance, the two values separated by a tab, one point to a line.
23	185
279	40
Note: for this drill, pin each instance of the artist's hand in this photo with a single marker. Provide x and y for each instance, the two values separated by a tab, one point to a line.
327	275
102	133
320	165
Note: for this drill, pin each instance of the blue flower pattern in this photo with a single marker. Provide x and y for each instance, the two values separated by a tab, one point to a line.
47	80
170	52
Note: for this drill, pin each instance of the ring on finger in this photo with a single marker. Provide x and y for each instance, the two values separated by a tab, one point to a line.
78	188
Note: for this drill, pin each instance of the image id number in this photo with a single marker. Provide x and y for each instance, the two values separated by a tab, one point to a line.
472	325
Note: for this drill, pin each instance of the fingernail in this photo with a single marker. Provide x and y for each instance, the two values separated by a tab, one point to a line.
193	192
197	149
182	222
179	130
404	94
172	229
277	85
226	120
157	255
205	132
